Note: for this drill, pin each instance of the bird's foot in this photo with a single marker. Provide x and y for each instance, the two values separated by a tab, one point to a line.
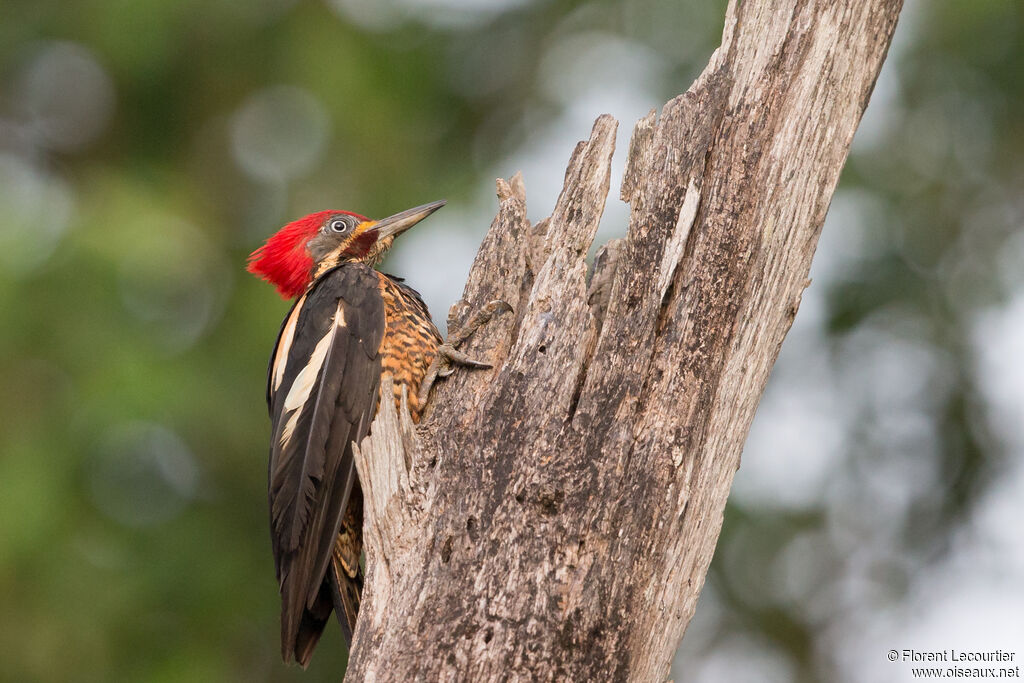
448	354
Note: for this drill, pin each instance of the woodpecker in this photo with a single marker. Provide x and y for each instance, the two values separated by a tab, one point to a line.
348	325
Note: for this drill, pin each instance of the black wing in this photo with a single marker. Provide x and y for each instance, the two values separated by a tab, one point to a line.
322	390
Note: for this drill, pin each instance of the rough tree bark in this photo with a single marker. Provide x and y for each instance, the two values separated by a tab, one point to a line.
554	518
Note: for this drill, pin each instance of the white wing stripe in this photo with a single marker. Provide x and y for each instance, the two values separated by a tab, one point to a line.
302	387
281	357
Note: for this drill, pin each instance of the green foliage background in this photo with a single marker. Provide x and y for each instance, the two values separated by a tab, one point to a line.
147	146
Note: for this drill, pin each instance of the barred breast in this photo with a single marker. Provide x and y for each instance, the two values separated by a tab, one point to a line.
410	340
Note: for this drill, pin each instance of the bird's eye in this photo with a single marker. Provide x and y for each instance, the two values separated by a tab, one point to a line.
338	225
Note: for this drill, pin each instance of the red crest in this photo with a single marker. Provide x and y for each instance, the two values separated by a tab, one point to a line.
283	260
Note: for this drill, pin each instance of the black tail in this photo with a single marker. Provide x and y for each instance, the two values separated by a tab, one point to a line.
340	591
340	594
311	627
345	572
346	592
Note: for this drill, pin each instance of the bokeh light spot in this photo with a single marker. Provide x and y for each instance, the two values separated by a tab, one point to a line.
36	209
143	474
68	96
173	280
279	133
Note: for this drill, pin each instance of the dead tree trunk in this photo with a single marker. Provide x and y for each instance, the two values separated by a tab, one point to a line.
554	518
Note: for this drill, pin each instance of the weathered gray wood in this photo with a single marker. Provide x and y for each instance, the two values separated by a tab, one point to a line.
554	518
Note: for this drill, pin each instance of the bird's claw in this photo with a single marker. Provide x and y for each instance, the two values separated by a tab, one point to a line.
448	354
456	357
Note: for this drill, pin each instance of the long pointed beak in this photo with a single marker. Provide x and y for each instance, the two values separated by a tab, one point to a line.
400	222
